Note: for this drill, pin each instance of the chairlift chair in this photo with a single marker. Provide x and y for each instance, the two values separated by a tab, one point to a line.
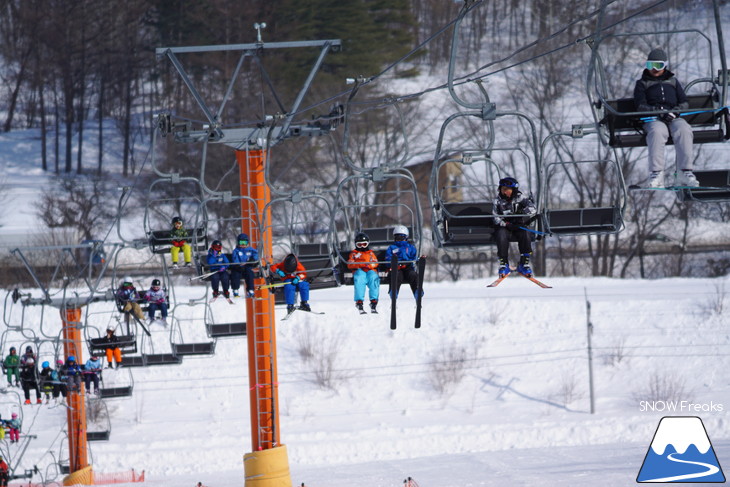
606	210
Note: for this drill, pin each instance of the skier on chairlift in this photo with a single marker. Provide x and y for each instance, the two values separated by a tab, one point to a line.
512	210
247	258
364	265
217	261
407	256
291	271
180	240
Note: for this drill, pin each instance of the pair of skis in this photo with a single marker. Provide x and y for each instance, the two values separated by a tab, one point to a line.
421	266
289	313
529	278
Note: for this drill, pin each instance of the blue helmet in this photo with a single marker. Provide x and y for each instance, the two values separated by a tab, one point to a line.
509	183
45	365
71	358
242	237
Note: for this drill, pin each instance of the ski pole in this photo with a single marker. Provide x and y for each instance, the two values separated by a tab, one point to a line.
535	231
202	276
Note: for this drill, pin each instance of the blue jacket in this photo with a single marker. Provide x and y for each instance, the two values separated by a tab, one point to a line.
217	261
92	365
245	254
405	251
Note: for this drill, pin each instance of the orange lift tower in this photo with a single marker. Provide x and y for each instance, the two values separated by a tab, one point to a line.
267	465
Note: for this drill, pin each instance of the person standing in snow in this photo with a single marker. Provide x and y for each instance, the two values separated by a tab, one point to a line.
407	256
511	210
659	90
246	259
364	265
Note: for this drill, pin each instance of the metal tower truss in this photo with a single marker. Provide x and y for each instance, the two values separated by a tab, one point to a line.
214	130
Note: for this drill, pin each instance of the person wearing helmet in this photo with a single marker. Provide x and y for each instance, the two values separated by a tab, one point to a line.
157	299
29	379
244	259
128	298
113	351
73	374
511	210
14	428
659	91
49	382
92	371
218	262
180	239
407	256
11	364
364	265
291	271
28	354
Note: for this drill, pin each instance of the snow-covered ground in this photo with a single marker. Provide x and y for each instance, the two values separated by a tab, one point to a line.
519	415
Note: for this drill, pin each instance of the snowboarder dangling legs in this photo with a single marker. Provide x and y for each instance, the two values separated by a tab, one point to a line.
512	210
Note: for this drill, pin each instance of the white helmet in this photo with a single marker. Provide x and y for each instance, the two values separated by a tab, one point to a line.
400	230
127	279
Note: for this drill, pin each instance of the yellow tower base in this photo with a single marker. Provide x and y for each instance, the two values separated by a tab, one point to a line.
85	476
267	468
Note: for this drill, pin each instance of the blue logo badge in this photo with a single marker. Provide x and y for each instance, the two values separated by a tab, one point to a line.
681	452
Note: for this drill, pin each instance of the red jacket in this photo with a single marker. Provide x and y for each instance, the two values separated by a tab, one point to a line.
3	467
301	272
362	259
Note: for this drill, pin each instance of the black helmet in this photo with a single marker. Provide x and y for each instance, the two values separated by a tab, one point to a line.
177	219
155	282
290	263
12	349
216	245
362	241
509	183
28	349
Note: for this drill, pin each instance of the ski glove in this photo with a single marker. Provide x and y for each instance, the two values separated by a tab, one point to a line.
280	273
295	281
668	117
510	226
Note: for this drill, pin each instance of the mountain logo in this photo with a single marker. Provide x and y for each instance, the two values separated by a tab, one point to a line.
680	452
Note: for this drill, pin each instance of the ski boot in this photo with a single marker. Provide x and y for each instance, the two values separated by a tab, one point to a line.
175	266
290	308
226	295
250	294
358	305
503	268
524	267
304	306
235	294
373	305
188	264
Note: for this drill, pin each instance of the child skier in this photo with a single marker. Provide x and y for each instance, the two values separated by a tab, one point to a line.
157	299
511	210
128	298
294	274
218	262
364	264
179	237
11	363
247	259
407	256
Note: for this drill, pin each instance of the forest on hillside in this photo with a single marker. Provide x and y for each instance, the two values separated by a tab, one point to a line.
71	67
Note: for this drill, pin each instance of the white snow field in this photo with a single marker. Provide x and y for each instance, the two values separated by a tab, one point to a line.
515	410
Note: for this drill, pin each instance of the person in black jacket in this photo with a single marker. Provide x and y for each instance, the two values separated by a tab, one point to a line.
112	349
512	210
659	91
29	380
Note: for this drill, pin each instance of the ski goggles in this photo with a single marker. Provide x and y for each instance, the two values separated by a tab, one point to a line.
656	65
362	245
399	237
243	242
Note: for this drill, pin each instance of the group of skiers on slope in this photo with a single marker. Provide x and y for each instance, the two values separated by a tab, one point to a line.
512	211
57	383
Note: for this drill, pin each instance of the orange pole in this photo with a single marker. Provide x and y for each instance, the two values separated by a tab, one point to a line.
76	415
260	322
